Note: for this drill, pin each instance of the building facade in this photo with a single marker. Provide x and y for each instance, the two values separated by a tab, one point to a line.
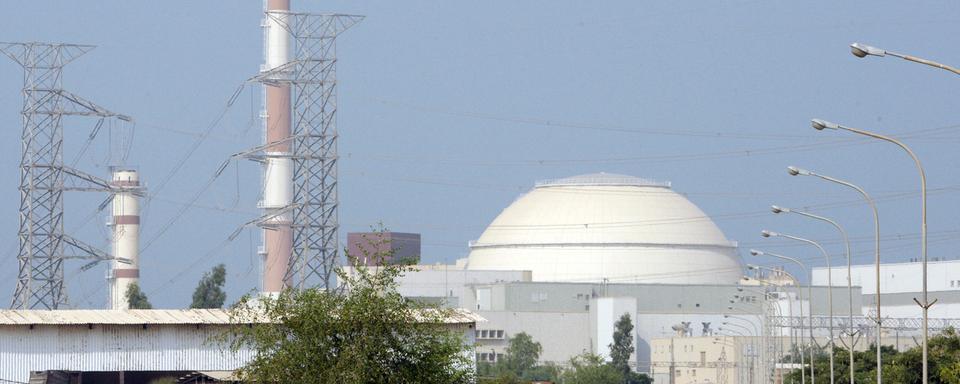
130	340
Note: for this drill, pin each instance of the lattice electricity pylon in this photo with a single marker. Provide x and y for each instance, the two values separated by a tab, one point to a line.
312	76
43	176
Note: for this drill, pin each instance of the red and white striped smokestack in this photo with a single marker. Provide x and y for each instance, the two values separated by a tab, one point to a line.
278	168
126	237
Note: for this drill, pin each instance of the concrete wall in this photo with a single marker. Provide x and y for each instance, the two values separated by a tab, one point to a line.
562	335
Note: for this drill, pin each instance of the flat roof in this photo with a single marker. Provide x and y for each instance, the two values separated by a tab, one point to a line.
150	316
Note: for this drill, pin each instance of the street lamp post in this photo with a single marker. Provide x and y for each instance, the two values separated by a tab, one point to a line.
738	366
790	307
803	375
761	345
826	256
925	304
790	325
800	297
846	242
863	50
794	171
770	351
746	370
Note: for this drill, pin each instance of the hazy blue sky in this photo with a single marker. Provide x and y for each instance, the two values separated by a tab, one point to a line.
449	110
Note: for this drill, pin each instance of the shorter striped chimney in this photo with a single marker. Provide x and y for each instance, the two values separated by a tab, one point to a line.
126	236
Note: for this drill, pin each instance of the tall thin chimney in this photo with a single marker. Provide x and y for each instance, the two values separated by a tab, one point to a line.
278	167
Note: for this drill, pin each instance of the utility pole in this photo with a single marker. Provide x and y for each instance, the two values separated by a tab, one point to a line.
44	177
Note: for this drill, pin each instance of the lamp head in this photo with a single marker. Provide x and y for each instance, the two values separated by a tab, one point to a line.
766	233
730	307
820	125
794	171
752	267
755	252
726	316
863	50
778	209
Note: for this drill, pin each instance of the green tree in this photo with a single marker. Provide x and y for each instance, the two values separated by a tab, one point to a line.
519	364
589	368
898	367
522	354
364	333
622	346
136	299
209	292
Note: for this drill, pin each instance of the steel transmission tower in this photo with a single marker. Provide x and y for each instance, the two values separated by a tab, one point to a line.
310	73
43	175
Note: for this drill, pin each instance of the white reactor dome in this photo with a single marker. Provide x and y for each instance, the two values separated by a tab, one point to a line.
607	228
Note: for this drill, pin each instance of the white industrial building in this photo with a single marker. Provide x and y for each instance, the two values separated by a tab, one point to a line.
116	346
900	283
607	228
564	261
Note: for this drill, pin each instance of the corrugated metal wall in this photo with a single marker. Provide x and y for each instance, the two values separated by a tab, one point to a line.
112	347
124	347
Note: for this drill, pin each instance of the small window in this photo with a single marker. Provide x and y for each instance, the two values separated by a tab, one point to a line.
703	358
693	372
678	373
698	305
500	334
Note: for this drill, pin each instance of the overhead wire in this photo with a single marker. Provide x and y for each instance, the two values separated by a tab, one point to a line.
747	152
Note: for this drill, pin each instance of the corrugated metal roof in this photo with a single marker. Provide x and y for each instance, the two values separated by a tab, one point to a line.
149	316
100	316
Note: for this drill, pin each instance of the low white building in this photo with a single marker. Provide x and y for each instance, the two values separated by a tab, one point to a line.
128	341
900	283
446	284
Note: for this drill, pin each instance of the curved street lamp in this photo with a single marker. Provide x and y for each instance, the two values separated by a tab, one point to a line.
794	171
790	307
803	267
826	256
846	242
760	345
926	304
863	50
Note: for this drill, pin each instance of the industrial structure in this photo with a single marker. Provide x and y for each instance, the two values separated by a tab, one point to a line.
564	261
898	284
607	227
44	176
130	344
125	222
299	154
386	247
